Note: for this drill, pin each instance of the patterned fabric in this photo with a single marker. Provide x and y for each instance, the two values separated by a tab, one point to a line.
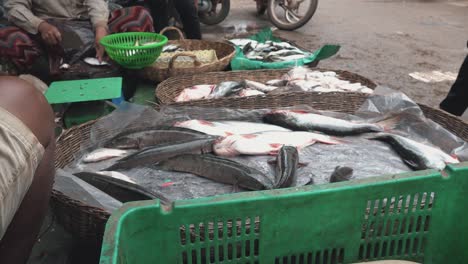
22	49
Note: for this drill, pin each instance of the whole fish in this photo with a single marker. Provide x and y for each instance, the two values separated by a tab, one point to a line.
302	120
103	154
242	42
259	86
417	155
141	139
287	162
151	155
341	174
219	170
121	190
277	82
250	92
225	89
267	143
225	128
196	92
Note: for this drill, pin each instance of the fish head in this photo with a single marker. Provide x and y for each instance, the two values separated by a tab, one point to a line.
223	146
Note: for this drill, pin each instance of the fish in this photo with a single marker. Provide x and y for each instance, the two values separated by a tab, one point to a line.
103	154
242	42
152	155
277	82
171	48
341	174
95	62
117	175
417	155
225	128
121	190
225	89
259	86
304	85
302	120
267	143
287	162
250	92
196	92
219	170
138	139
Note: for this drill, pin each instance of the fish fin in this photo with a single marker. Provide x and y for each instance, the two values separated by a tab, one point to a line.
204	122
228	134
276	145
455	157
248	136
273	153
389	124
302	164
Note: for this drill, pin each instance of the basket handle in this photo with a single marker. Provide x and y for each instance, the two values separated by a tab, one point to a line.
164	30
185	54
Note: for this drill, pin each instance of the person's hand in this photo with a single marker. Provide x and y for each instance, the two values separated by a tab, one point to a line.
100	33
50	34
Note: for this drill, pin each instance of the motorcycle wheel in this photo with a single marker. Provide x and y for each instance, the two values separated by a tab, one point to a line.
286	25
219	16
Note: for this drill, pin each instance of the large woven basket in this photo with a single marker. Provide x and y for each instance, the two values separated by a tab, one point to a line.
88	223
167	91
224	52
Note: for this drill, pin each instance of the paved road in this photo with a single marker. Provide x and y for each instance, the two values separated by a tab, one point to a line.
384	40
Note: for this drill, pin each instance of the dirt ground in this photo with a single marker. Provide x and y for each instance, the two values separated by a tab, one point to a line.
384	40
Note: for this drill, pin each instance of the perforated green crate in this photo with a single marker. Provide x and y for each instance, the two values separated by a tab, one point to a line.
415	216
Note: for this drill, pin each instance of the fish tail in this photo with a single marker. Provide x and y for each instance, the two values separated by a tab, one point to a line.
389	124
331	140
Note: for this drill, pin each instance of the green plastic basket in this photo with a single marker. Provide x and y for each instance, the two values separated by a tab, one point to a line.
416	216
128	49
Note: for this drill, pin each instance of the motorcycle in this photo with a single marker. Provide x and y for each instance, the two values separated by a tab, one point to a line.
284	14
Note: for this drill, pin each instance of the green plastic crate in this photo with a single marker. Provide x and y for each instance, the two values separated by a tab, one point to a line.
416	216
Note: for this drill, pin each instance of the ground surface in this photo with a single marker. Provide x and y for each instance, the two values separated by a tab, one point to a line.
382	40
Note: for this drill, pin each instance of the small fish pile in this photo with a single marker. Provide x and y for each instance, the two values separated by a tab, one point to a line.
299	79
269	51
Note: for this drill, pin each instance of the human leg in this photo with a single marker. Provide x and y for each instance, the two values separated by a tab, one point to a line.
34	126
19	47
159	12
456	101
131	19
189	16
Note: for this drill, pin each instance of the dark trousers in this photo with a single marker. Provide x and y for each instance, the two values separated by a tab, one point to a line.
456	101
160	10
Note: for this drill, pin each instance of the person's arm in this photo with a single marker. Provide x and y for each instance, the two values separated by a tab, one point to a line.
98	12
19	13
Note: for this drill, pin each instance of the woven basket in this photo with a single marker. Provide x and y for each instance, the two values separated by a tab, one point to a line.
88	223
167	91
224	52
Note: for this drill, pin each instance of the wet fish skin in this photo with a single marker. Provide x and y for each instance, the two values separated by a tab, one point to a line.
417	155
151	155
119	189
259	86
277	82
225	89
103	154
151	137
287	162
301	120
250	92
341	174
224	128
218	169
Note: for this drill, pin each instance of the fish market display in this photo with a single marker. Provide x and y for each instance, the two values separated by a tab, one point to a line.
417	155
103	154
152	155
341	174
218	169
226	128
299	79
269	51
196	92
301	120
286	166
138	139
267	143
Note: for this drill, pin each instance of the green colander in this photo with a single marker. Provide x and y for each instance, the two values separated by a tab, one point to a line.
134	50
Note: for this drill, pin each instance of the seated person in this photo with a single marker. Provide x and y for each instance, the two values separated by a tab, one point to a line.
187	11
40	27
27	145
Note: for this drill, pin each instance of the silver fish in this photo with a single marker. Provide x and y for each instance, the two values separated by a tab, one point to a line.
225	89
417	155
301	120
259	86
219	170
156	154
103	154
170	48
277	82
